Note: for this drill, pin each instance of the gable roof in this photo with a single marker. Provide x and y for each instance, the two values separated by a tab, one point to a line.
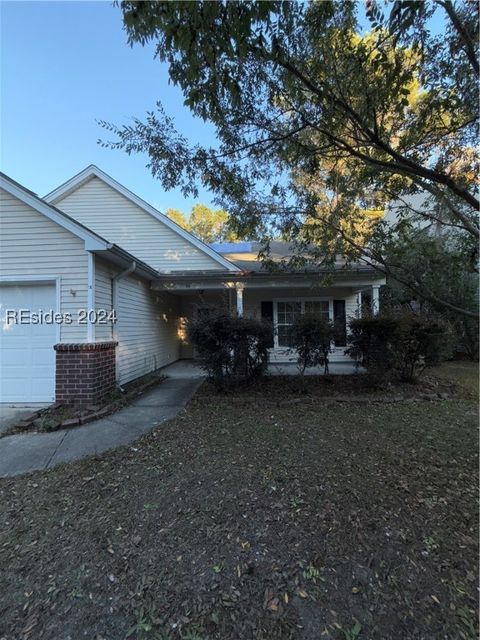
93	242
93	171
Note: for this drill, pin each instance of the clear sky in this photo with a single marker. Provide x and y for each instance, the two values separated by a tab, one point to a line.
63	66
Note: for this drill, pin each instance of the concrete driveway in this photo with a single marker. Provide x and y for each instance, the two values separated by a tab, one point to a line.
12	413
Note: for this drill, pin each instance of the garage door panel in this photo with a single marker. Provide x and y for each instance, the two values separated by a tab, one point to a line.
12	357
15	331
16	390
27	357
42	356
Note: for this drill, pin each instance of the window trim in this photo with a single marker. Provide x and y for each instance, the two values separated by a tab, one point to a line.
302	303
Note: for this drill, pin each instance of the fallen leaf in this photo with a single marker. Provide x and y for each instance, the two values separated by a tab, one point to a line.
273	604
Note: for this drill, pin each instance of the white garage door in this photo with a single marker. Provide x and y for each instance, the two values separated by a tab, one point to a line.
27	357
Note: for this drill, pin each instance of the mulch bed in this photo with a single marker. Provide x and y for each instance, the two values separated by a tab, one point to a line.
282	390
63	416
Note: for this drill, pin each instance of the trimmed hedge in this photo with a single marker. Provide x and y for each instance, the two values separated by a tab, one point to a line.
312	338
400	345
231	348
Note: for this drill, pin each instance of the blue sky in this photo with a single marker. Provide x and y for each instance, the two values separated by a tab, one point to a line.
63	66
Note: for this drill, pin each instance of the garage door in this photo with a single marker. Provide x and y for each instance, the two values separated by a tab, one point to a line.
27	358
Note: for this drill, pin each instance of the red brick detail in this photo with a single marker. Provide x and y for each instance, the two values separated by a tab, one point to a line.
85	372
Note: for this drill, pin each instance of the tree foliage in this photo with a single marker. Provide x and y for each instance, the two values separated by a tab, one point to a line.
210	225
177	216
317	122
441	267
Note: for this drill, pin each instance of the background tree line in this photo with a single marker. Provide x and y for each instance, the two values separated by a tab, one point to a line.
209	225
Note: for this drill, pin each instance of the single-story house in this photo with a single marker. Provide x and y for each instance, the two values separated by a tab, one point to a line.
98	287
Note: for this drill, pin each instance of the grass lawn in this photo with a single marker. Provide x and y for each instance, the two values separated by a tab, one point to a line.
242	519
463	372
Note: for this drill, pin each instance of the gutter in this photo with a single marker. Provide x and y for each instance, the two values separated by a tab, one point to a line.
239	276
126	257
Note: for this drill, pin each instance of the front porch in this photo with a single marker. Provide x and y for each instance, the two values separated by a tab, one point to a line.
279	299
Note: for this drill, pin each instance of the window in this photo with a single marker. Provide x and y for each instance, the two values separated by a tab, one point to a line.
320	308
286	312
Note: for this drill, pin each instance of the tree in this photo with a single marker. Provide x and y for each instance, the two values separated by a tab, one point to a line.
315	121
441	267
177	216
210	225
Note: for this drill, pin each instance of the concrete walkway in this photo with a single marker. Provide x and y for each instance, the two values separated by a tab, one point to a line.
10	414
26	452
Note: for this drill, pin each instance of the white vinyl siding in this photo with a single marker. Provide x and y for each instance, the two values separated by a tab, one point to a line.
351	306
146	329
107	212
147	322
104	273
32	245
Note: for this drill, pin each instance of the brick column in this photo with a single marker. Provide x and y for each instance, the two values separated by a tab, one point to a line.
85	372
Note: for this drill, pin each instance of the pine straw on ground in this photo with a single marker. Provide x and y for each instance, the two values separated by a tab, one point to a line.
242	521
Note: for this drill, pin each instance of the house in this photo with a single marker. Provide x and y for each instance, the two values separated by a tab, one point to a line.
97	286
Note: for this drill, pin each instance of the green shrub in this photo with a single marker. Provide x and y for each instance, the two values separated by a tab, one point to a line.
312	337
231	348
400	345
371	340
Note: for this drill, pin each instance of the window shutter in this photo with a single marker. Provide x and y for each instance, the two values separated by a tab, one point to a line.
340	322
267	316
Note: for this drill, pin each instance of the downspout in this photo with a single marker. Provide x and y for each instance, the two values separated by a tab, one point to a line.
115	280
90	296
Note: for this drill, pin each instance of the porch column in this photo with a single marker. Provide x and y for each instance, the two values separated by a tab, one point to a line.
239	287
375	300
359	304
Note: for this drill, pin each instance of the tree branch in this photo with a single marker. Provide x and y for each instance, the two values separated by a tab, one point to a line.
462	32
408	166
420	288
